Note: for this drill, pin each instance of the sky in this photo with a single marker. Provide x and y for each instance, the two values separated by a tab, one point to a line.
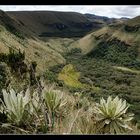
116	11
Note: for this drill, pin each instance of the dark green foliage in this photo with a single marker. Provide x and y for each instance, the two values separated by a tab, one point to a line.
74	89
62	33
75	50
118	54
131	28
3	57
98	70
16	62
60	83
16	56
50	76
135	64
3	78
56	68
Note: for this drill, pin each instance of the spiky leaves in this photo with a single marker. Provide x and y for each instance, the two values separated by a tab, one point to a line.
15	106
19	107
55	103
111	116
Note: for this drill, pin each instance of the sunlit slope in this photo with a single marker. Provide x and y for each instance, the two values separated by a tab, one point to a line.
127	34
35	50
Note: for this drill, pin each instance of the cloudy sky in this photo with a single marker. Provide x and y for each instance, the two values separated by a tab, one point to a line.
103	10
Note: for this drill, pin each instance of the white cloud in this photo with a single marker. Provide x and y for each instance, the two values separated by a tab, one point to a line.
109	11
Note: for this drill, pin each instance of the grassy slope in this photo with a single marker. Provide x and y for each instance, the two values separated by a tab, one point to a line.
134	21
36	50
46	52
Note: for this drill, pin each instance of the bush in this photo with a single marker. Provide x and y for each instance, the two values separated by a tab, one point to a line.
50	76
15	60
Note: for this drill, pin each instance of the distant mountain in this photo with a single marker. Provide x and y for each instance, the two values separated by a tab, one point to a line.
60	24
104	19
55	24
52	23
124	18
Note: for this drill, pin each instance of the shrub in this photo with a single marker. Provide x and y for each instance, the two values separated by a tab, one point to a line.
50	76
16	61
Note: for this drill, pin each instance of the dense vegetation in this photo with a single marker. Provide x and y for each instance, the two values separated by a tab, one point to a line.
117	53
105	70
36	107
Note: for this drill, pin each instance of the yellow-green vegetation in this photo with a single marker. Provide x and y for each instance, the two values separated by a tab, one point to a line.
70	76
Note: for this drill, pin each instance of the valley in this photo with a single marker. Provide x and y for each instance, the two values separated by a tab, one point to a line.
93	56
